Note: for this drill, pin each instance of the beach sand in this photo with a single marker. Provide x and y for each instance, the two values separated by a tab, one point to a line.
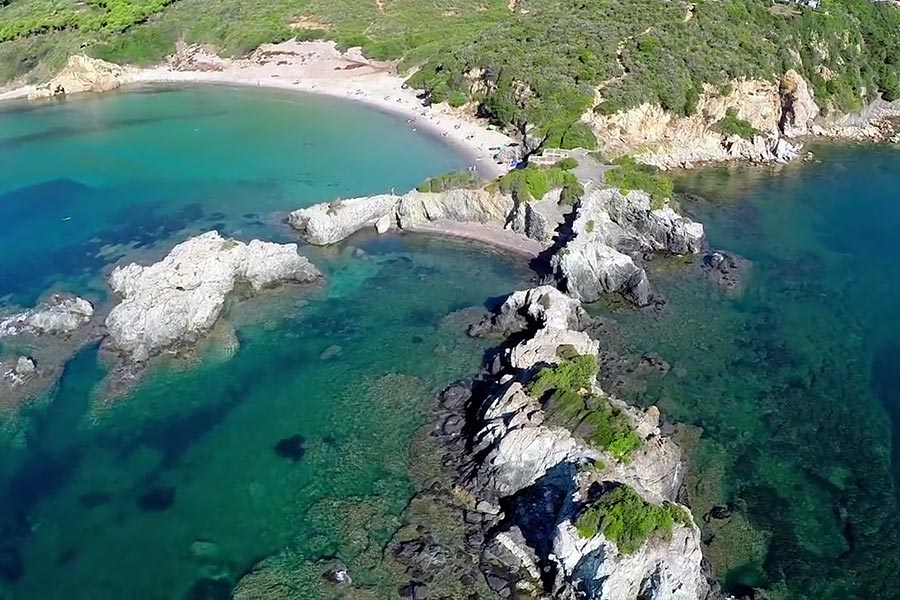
320	68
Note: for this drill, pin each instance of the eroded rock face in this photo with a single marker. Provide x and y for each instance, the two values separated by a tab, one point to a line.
666	140
468	206
82	74
529	478
182	295
610	232
19	372
59	315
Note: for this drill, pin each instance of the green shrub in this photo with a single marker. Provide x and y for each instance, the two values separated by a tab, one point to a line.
566	164
629	175
624	518
731	124
572	374
533	183
454	180
572	402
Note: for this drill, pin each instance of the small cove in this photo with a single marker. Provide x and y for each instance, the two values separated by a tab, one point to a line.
176	489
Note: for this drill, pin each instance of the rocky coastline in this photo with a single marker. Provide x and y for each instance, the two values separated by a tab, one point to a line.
593	246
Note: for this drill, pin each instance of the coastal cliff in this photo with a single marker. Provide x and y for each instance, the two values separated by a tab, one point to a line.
176	299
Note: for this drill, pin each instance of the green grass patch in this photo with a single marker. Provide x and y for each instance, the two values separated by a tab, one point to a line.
568	390
731	124
454	180
533	183
624	518
630	175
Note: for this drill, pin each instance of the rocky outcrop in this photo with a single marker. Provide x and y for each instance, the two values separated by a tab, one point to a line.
328	223
777	108
609	235
181	296
19	373
59	315
331	222
526	480
82	74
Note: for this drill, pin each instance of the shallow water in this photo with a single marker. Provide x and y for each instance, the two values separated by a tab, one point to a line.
794	383
291	428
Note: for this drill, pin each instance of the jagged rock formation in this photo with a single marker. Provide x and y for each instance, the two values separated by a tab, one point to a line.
657	137
59	315
82	74
610	232
181	296
528	479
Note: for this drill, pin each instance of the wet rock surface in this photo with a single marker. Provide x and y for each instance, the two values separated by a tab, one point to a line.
726	270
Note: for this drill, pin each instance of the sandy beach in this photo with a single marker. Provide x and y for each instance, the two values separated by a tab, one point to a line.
487	235
320	68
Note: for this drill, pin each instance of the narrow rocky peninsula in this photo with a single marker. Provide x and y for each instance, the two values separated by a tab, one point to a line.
171	302
594	244
574	490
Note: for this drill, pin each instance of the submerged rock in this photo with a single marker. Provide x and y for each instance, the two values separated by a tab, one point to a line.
11	566
157	499
292	448
726	270
210	588
183	295
60	314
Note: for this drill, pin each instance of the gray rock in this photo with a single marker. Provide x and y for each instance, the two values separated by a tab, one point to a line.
24	368
331	222
182	295
58	315
539	474
609	232
464	205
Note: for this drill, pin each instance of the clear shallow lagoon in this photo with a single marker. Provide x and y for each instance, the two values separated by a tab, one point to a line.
794	384
181	480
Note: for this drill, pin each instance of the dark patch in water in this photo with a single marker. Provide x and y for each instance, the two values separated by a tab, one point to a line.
424	318
417	339
157	499
216	216
93	499
11	566
251	216
291	448
66	557
209	588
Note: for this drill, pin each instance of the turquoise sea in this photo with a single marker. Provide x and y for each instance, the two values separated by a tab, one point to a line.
290	432
794	384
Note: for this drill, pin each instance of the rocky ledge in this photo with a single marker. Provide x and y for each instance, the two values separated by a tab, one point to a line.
82	74
174	300
567	492
60	314
599	251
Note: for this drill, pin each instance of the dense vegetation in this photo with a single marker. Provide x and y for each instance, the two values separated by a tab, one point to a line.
535	67
569	400
625	519
454	180
533	183
630	175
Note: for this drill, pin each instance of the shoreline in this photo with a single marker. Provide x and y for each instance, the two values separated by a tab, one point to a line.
314	68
